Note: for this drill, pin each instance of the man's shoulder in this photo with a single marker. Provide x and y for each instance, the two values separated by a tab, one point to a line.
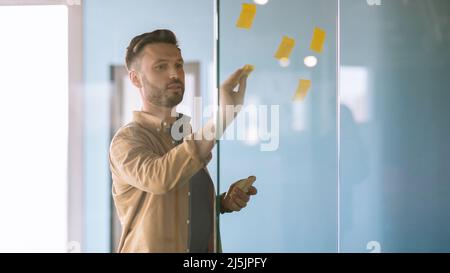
131	130
130	136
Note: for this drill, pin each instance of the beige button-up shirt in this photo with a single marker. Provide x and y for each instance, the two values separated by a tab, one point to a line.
151	186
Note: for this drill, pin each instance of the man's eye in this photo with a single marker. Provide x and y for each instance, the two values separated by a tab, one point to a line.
160	67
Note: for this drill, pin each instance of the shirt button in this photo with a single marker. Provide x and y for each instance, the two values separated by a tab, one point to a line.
187	250
189	193
157	129
187	222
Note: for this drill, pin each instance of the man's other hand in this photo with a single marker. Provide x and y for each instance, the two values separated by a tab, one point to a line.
236	199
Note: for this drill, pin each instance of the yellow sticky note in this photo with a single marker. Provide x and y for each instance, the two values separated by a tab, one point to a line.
248	68
285	48
318	39
248	13
302	89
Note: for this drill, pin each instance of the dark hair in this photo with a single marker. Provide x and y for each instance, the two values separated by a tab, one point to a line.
138	43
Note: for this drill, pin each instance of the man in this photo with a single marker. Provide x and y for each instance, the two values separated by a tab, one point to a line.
162	191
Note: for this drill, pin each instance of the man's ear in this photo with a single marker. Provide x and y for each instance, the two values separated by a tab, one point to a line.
135	78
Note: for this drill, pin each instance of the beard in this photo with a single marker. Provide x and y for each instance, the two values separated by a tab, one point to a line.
163	97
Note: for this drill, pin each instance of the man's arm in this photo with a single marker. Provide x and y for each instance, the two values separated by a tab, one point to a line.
136	163
231	101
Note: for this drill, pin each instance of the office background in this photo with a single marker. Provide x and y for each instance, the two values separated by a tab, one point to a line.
361	163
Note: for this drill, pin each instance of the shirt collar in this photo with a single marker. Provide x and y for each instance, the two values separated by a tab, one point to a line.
151	121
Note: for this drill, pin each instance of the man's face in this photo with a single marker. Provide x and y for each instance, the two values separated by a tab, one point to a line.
162	74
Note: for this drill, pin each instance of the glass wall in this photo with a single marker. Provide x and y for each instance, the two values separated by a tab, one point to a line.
359	168
394	110
289	145
357	163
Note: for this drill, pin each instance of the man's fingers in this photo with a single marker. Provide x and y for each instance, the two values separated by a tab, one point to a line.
233	80
241	194
252	178
240	198
233	205
242	86
242	83
252	191
239	202
237	198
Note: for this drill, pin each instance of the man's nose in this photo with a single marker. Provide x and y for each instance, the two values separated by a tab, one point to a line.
173	74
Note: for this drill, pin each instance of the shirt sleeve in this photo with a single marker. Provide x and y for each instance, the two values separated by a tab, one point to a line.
136	163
